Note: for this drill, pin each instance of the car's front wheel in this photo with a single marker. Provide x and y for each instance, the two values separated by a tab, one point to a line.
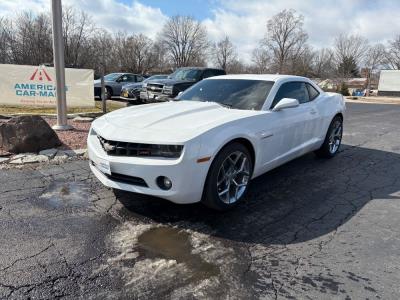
228	178
332	140
108	93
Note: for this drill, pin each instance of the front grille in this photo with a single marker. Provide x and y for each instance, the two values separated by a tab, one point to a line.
154	88
127	179
115	148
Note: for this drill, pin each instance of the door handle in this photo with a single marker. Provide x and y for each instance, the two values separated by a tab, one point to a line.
313	111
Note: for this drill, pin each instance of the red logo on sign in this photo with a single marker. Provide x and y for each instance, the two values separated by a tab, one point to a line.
39	74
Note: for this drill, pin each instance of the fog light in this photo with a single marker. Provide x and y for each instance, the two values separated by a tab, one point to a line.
164	182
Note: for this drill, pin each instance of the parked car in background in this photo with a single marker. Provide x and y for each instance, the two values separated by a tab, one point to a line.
221	133
114	82
131	91
180	80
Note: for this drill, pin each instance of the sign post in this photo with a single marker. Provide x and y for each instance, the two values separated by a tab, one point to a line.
58	53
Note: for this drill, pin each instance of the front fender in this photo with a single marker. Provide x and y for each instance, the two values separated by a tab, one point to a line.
215	139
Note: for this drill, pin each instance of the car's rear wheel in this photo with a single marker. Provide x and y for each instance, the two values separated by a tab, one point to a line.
332	140
228	178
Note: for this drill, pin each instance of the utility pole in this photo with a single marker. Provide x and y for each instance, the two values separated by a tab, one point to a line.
59	65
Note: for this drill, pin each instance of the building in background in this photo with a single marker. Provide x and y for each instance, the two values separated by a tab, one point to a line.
389	83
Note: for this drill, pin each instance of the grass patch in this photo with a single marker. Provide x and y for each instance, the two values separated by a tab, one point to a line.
36	110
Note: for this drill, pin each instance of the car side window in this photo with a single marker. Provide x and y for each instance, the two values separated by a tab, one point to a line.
139	78
208	73
312	91
129	78
294	90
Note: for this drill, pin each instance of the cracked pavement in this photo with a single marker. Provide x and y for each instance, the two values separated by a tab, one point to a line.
311	229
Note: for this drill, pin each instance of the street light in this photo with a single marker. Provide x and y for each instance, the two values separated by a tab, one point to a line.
58	53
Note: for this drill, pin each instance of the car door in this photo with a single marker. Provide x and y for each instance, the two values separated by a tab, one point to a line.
288	131
124	79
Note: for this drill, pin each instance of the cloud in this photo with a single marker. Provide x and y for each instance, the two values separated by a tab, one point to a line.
245	21
112	15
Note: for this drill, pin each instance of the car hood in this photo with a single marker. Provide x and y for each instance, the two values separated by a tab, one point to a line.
97	82
168	81
132	85
170	122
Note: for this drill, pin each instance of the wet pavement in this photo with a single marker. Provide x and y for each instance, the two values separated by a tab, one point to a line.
311	229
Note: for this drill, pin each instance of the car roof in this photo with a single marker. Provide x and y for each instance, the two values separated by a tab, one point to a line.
265	77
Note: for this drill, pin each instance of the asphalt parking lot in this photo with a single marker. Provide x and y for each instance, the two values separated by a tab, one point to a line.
311	229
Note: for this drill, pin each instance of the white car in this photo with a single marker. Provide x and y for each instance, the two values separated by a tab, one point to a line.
219	134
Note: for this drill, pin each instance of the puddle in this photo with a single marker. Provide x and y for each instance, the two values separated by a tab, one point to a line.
66	194
173	244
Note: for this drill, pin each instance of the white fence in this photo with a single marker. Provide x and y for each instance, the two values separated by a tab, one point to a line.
36	86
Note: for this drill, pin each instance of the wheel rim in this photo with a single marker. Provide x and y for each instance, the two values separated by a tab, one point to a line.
335	137
106	93
233	177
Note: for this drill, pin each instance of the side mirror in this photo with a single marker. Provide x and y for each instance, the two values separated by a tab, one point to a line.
286	103
180	93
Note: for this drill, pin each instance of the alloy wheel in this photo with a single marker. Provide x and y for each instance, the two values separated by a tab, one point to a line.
233	177
335	137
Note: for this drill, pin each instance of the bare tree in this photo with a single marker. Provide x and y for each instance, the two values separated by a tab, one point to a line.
374	57
393	53
77	30
349	52
323	64
261	60
30	40
224	53
285	38
185	40
134	53
5	38
161	63
301	63
104	58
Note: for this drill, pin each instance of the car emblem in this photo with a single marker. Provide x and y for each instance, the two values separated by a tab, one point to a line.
108	147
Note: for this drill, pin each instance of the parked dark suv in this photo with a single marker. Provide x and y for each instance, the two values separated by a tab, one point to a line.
180	80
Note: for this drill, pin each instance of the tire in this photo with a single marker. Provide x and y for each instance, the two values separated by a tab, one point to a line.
221	190
333	139
109	93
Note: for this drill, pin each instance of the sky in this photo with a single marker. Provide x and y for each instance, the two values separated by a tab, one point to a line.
244	21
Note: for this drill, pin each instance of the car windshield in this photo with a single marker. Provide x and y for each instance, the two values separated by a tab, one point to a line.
186	74
112	76
234	93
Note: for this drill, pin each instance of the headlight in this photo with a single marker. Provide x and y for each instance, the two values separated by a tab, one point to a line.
170	151
167	90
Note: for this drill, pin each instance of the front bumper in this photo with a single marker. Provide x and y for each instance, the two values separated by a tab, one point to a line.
131	95
153	97
186	174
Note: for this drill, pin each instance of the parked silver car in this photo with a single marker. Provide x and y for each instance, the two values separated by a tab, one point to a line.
114	82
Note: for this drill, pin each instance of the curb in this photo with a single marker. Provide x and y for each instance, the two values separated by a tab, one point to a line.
45	156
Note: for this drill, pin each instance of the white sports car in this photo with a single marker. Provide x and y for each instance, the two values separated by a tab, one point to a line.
219	134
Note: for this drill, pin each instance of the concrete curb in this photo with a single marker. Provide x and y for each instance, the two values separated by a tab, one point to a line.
45	156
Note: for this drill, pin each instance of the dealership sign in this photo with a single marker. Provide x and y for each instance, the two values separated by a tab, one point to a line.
32	85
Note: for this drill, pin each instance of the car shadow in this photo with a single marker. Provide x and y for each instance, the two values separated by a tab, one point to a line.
299	201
